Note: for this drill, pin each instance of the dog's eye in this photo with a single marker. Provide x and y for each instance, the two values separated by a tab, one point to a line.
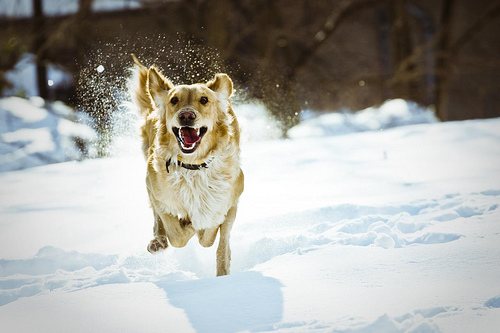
204	100
174	100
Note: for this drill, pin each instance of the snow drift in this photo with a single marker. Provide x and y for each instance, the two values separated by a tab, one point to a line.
392	113
33	133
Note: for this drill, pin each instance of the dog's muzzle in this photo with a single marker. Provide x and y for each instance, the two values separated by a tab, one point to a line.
189	137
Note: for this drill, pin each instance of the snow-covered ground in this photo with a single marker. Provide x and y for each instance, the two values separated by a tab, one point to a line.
34	133
380	231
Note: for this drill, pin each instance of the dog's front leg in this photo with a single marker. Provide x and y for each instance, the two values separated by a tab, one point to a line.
179	231
159	243
223	250
206	237
167	227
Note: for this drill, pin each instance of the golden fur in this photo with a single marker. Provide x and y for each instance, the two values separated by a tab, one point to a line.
195	124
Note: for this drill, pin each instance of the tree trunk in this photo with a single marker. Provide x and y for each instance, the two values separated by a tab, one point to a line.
443	69
401	50
38	48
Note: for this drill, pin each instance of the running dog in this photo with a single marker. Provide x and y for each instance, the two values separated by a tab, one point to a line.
190	138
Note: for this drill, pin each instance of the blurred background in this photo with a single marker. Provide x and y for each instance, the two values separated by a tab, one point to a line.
292	56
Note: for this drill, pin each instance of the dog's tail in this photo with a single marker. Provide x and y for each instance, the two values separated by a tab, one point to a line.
138	88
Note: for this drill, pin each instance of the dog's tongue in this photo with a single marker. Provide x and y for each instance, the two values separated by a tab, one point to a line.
189	135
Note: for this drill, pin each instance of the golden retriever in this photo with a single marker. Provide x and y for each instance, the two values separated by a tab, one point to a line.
191	143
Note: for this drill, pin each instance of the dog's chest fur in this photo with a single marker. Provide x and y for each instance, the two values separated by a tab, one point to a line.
200	196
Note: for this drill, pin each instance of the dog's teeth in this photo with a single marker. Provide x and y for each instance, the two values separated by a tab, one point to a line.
187	148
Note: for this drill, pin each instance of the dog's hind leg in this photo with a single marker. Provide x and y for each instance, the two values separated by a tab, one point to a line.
223	250
159	243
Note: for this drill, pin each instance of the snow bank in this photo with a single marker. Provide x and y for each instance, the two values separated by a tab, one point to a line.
392	113
34	133
23	77
256	123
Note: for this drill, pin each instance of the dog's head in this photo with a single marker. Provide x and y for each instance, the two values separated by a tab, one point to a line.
193	114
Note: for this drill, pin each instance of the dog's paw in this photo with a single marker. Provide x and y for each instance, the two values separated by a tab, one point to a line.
158	244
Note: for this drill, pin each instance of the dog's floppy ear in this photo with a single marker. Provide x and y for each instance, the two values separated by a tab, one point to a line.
157	83
222	85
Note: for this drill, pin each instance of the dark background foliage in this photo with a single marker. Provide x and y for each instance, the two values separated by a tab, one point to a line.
291	55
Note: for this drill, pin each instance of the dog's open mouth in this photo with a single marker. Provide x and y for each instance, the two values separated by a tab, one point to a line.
189	138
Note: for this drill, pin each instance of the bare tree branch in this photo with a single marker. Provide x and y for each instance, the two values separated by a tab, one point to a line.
474	29
334	20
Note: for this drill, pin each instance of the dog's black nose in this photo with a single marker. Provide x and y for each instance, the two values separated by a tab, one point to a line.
186	118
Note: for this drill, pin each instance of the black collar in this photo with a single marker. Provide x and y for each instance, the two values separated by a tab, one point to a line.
181	163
